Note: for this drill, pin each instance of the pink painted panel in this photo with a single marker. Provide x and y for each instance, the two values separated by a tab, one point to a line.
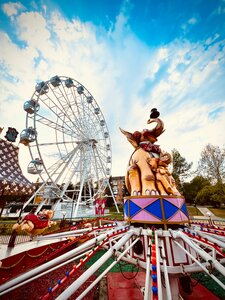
145	216
179	216
143	202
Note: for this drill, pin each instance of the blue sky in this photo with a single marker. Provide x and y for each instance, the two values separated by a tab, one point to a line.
131	55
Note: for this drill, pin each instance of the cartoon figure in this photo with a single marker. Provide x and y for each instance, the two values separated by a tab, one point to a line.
35	224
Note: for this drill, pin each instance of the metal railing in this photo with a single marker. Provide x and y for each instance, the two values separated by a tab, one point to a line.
208	221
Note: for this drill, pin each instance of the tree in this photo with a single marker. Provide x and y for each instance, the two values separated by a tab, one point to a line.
181	168
211	195
191	189
212	163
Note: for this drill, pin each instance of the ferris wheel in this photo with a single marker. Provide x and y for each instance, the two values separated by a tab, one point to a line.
68	141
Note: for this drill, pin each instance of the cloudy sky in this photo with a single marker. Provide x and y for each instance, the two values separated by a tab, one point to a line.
132	56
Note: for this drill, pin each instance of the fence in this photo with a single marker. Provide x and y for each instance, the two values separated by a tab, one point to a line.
208	221
6	231
4	239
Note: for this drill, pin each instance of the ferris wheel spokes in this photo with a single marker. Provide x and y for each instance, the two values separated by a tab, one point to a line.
53	144
47	122
64	109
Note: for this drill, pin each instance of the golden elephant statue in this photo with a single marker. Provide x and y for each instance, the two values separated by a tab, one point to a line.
35	224
148	172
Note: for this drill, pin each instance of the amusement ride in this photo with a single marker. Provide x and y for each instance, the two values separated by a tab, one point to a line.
69	142
156	234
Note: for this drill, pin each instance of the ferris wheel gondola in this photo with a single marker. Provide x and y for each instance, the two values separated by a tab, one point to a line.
68	141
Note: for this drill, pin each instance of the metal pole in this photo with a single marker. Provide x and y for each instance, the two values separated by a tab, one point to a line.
46	272
79	196
113	196
167	282
6	287
200	251
159	281
106	270
147	276
74	286
211	238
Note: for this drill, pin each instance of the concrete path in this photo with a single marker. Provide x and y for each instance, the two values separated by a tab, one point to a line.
205	211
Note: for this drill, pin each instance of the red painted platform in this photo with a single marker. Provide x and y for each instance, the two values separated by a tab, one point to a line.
200	292
120	288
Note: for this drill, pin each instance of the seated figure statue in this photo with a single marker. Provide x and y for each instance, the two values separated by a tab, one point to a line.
165	182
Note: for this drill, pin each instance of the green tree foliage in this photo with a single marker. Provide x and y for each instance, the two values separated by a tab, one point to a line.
181	168
191	189
212	163
211	195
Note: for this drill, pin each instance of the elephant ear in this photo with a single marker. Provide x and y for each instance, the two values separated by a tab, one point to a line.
133	138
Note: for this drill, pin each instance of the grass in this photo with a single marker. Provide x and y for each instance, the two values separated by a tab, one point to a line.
193	211
219	212
114	214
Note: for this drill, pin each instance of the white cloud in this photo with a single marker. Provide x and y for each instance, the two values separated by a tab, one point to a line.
192	21
189	23
11	9
212	39
160	56
113	66
32	28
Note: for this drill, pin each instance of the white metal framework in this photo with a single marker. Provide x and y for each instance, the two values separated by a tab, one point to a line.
165	255
68	140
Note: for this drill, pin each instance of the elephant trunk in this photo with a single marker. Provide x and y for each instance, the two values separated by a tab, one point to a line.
159	128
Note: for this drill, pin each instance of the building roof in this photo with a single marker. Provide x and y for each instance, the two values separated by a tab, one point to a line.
12	181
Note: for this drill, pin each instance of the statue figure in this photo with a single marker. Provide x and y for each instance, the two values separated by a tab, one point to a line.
35	224
148	172
164	180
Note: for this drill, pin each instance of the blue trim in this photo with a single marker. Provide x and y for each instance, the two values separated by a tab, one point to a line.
169	209
134	209
126	206
184	209
155	209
